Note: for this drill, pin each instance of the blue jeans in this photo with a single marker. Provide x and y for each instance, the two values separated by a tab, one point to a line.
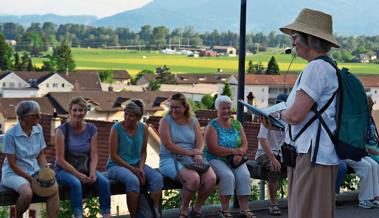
131	182
342	169
102	185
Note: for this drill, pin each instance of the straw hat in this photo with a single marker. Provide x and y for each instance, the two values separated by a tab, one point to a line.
315	23
44	183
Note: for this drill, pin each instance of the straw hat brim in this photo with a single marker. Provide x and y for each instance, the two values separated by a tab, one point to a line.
42	191
299	27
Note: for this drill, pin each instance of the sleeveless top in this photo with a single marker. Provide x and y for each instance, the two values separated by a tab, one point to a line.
129	146
182	135
226	137
80	142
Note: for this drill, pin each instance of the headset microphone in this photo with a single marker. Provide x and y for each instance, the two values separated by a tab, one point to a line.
292	51
288	50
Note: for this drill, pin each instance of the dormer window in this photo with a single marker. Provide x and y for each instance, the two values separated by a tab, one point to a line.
88	107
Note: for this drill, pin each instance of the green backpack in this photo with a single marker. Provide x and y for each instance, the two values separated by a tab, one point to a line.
352	116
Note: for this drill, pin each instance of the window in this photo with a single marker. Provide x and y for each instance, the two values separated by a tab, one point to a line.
11	85
4	84
55	85
62	85
88	107
47	85
19	85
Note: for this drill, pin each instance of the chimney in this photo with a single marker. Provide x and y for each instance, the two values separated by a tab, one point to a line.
54	123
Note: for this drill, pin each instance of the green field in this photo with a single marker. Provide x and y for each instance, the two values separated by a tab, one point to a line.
135	61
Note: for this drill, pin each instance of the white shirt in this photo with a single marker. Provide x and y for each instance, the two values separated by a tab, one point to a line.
319	81
275	140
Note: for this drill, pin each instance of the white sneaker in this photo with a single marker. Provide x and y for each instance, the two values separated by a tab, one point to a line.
366	204
375	203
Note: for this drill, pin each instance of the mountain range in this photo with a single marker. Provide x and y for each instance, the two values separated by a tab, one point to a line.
351	17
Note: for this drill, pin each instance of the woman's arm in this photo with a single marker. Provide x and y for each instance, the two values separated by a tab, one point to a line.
144	148
244	144
42	159
12	164
164	132
372	151
212	143
299	110
94	155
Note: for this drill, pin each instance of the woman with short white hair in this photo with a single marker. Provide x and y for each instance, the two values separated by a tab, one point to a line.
227	146
23	147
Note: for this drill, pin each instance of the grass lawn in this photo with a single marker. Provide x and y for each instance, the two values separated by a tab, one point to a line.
135	61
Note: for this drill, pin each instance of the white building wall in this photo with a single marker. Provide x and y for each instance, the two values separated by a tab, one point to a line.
19	93
13	81
55	83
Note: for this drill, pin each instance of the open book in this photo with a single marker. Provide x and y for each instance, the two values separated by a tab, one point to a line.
266	113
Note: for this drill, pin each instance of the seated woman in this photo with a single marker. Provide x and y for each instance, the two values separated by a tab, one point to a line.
225	137
181	135
127	149
23	146
74	137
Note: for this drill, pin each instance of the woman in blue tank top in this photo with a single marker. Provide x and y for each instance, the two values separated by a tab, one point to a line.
127	149
81	138
181	135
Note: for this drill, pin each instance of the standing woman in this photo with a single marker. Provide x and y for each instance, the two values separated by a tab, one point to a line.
311	186
128	144
225	137
181	135
23	146
81	138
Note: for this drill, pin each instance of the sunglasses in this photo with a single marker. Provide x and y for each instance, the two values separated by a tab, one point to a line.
36	116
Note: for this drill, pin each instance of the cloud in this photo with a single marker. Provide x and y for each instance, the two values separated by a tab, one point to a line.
99	8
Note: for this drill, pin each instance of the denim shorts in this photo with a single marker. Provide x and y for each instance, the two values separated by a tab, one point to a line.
170	167
14	182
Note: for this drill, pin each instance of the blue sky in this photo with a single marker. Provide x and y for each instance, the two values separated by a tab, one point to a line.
99	8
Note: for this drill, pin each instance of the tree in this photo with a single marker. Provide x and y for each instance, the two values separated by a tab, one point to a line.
26	62
164	75
250	67
5	54
16	57
227	90
62	59
154	85
141	74
106	76
208	101
272	66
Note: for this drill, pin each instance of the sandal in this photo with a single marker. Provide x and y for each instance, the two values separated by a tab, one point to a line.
183	215
247	214
194	214
224	214
274	210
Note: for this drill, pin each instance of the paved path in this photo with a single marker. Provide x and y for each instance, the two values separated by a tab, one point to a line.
349	209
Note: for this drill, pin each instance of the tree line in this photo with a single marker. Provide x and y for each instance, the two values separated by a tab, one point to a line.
40	37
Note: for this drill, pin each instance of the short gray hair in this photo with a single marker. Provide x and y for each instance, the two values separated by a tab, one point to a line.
314	43
135	106
25	108
222	99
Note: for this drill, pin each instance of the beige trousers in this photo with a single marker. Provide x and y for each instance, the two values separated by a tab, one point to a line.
311	189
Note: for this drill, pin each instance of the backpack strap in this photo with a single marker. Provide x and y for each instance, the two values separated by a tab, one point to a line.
66	139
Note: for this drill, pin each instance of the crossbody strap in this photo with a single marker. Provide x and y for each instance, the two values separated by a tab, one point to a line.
317	115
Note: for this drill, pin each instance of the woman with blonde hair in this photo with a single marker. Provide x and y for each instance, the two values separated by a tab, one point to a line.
181	137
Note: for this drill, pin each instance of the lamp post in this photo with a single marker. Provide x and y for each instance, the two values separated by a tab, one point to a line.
241	65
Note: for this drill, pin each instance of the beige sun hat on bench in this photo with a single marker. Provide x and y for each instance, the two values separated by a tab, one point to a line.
44	183
315	23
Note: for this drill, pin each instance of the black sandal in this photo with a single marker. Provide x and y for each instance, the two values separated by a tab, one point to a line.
247	214
194	214
224	214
